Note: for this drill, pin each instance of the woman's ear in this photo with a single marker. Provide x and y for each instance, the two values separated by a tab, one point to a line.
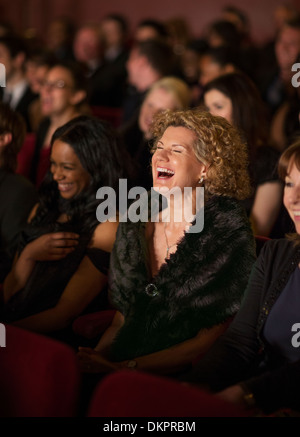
203	172
78	97
5	139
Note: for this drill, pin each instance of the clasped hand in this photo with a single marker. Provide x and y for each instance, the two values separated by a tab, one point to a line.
91	361
53	246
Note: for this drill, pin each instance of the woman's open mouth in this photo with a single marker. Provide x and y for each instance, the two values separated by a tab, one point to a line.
64	187
164	173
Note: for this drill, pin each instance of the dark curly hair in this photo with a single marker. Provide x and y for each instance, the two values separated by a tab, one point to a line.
218	145
95	144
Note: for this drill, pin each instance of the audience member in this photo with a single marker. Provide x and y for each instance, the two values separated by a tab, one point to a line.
17	194
282	14
222	33
256	362
115	31
150	28
179	34
107	84
189	66
37	67
88	48
148	62
236	98
62	98
175	289
215	62
248	53
275	81
63	257
240	20
17	92
167	93
59	38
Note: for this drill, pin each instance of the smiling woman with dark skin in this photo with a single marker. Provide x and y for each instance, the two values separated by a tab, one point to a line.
62	263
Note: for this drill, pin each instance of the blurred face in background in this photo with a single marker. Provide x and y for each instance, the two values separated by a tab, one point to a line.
58	93
219	104
209	69
87	45
112	33
156	100
287	47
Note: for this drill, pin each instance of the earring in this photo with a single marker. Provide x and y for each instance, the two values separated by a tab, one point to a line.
201	180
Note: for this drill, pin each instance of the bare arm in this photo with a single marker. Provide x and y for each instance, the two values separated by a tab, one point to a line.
109	335
165	361
83	287
266	207
177	357
52	246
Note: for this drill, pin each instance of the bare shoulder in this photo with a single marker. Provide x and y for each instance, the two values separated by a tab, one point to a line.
104	236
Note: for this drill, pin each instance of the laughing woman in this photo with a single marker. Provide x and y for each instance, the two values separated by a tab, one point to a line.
175	289
63	259
257	362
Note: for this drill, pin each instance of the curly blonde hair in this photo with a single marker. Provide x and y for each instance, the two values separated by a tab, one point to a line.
218	145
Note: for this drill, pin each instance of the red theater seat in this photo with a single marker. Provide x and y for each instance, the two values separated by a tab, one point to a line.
93	325
39	377
25	155
137	394
112	115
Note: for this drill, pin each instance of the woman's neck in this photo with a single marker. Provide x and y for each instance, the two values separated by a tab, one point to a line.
182	207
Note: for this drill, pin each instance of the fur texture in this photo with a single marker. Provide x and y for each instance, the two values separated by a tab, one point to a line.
200	286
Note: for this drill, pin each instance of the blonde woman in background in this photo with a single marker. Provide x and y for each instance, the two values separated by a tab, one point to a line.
167	93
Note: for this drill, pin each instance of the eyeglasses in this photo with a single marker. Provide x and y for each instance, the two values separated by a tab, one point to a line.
59	84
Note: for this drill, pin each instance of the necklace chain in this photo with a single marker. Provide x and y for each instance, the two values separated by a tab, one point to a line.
168	247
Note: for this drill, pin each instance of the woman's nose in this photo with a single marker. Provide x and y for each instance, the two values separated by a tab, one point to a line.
162	154
57	173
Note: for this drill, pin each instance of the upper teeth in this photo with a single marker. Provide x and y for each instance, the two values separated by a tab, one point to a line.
297	213
164	170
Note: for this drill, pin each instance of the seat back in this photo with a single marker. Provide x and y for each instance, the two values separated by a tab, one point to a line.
39	377
25	155
93	325
112	115
137	394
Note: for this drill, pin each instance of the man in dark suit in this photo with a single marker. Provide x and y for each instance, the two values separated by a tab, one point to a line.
17	92
148	61
105	76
